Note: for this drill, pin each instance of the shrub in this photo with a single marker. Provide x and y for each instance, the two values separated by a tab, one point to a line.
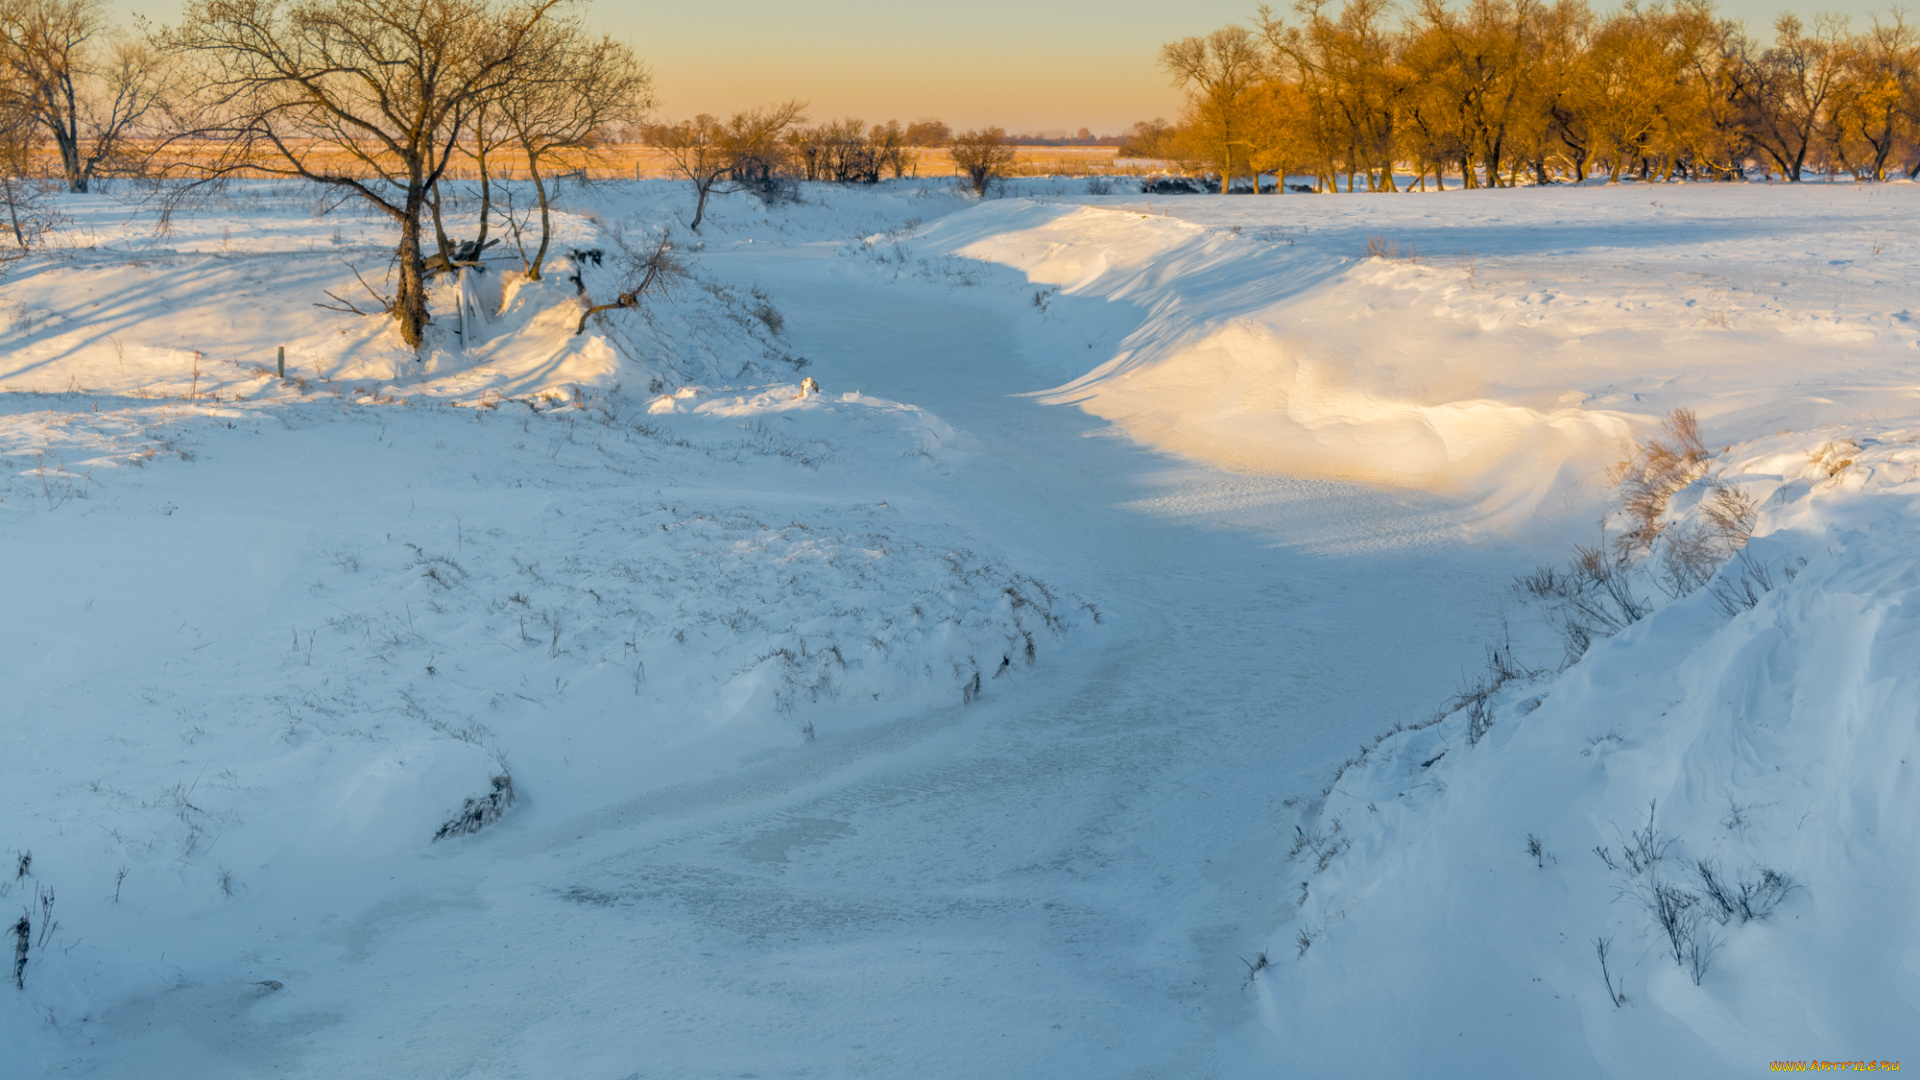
1668	462
479	813
1172	185
1592	597
1741	589
982	156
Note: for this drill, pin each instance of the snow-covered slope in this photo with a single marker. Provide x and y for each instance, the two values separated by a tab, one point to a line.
1501	348
202	308
262	634
1745	757
1755	736
900	728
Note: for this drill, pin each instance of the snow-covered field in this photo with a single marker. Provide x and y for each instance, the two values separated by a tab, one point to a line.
606	706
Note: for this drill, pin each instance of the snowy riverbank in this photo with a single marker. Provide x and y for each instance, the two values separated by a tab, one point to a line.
922	725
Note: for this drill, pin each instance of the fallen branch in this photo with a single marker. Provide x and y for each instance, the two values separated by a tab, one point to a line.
657	268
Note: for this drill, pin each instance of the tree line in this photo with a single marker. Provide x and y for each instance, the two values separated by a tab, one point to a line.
766	150
373	99
1498	93
377	100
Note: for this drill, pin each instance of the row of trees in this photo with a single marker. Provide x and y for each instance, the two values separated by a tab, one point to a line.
1501	92
378	99
763	150
375	99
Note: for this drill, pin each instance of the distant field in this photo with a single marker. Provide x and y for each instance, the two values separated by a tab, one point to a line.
632	160
643	162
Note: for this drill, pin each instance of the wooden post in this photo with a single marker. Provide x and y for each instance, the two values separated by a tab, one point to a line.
282	362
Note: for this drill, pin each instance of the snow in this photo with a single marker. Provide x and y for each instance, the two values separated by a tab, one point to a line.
976	714
1778	738
1503	357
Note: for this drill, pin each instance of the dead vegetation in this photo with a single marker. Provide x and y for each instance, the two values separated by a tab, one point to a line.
1380	247
1649	478
1596	594
1679	908
478	813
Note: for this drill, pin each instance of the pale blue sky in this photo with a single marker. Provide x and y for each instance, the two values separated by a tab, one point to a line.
1026	65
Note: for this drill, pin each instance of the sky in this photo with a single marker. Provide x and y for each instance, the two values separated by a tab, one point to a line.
1025	65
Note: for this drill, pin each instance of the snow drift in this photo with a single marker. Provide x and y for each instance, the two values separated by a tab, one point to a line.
1716	796
1266	339
1746	753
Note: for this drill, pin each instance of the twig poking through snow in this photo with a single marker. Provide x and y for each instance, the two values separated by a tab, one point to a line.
22	934
1601	946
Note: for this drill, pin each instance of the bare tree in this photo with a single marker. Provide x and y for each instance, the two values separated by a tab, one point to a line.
1866	121
489	134
928	133
87	86
1219	73
707	151
890	150
642	272
984	156
27	199
568	88
1790	88
1150	139
697	149
848	152
367	96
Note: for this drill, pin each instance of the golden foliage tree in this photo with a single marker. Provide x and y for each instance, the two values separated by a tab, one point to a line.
1503	92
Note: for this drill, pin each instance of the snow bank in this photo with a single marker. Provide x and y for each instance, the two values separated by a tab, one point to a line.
269	638
1751	742
1725	741
1502	353
203	307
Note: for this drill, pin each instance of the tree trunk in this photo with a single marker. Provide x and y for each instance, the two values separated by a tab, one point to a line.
70	162
701	186
486	199
546	217
439	228
13	211
65	122
410	304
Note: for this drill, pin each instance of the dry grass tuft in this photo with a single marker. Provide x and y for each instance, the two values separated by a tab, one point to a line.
1380	247
1672	459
